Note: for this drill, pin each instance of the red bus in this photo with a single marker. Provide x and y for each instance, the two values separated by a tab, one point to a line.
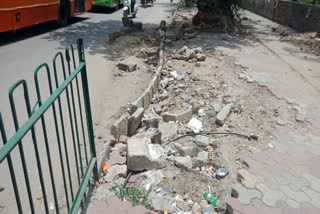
15	14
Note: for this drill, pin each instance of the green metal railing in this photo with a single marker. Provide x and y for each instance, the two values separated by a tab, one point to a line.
69	85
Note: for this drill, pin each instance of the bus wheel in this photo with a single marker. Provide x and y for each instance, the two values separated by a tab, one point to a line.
63	14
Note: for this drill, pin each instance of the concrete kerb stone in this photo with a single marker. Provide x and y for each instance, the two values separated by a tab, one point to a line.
120	127
139	102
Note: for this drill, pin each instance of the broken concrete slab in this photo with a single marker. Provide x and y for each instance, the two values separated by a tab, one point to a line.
187	149
182	116
223	114
116	158
211	117
135	120
115	172
152	133
202	159
120	127
183	162
139	157
151	122
217	107
203	141
135	105
168	130
160	204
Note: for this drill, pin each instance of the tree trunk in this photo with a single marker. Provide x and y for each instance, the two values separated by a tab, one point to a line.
214	12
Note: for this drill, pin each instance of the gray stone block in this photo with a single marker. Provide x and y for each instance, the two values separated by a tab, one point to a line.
182	116
223	114
120	127
134	121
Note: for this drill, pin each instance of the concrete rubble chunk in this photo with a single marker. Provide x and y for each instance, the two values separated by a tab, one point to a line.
151	51
198	50
123	139
183	205
168	130
160	204
217	107
135	120
182	116
115	172
183	162
116	158
196	209
113	36
201	57
208	209
223	114
201	140
211	117
151	122
157	108
187	149
153	134
201	159
127	67
139	157
120	127
189	54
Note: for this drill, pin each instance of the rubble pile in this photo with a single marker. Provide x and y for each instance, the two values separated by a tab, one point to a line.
308	41
167	146
182	105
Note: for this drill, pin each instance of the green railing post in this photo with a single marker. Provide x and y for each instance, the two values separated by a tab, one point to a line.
86	96
12	174
36	115
34	139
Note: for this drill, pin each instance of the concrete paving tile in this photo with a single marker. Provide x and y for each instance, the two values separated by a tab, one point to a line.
256	207
315	182
293	204
270	197
314	196
115	205
309	208
248	179
293	195
295	183
245	195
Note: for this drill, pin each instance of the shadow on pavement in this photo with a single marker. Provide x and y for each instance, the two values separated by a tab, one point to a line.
94	34
36	30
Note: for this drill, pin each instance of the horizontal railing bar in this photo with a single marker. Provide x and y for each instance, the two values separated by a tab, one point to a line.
14	140
82	187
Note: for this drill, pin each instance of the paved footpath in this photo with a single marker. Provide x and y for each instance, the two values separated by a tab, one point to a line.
284	179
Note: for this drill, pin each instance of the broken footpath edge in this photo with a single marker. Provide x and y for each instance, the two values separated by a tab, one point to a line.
144	100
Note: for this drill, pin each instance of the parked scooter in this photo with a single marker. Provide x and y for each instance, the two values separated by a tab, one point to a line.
130	8
147	3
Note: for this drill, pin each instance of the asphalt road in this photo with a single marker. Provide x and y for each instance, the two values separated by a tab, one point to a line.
20	53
